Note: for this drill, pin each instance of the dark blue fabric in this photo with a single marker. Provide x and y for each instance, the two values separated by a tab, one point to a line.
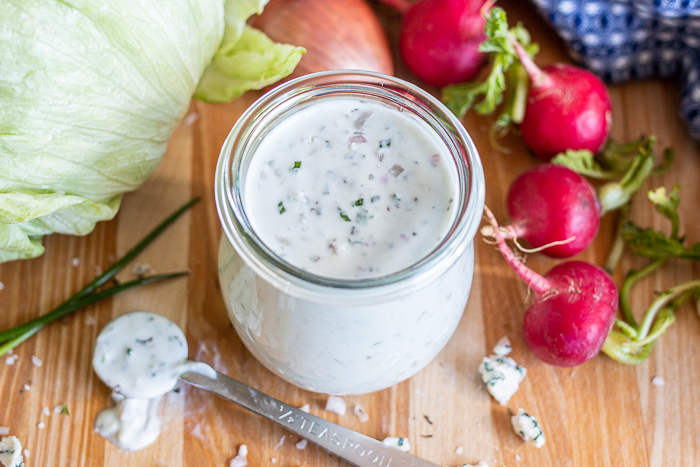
621	40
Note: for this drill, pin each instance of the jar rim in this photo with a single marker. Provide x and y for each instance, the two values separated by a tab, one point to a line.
330	84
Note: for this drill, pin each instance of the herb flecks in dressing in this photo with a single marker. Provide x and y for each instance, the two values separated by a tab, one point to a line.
371	194
140	355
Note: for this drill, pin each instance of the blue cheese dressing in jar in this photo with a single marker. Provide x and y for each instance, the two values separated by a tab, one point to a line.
349	201
350	189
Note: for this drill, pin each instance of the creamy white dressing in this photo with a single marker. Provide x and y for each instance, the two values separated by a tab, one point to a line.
350	189
132	424
140	355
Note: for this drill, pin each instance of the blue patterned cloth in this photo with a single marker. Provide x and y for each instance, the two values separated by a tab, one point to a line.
620	40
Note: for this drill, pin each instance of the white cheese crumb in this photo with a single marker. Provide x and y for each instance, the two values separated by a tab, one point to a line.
502	377
302	444
11	452
480	464
517	458
26	453
241	459
273	460
658	381
75	262
459	450
361	413
26	387
526	426
2	286
36	362
46	411
503	347
10	360
402	444
336	404
40	425
4	430
58	408
305	408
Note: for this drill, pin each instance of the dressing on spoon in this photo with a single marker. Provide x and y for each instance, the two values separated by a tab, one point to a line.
140	355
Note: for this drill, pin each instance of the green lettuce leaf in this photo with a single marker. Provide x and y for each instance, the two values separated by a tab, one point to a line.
253	63
92	90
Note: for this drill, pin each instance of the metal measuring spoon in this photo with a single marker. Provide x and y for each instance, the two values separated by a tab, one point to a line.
356	448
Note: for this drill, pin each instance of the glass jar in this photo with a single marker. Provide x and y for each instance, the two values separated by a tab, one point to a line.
345	336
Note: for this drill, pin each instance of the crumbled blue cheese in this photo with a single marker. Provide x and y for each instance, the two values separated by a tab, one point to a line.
502	377
11	452
480	464
503	347
526	426
402	444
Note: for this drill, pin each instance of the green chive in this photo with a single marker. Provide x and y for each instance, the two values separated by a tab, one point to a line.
13	337
359	202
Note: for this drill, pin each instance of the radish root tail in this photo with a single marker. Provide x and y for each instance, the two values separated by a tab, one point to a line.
535	281
543	247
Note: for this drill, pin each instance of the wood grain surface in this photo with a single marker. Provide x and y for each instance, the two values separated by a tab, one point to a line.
600	414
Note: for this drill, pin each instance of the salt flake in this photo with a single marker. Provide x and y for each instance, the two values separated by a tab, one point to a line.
336	404
658	381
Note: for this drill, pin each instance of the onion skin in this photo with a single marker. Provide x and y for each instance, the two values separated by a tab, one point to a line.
337	34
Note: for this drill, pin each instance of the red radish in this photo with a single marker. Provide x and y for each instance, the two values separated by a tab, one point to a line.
558	212
552	204
567	108
440	39
572	311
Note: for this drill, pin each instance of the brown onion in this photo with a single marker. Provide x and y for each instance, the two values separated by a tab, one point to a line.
337	34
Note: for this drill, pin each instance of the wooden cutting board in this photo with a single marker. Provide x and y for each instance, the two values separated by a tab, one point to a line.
600	414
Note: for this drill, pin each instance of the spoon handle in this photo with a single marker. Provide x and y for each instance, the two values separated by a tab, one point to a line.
356	448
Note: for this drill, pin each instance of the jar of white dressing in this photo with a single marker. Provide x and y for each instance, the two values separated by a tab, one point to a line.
349	202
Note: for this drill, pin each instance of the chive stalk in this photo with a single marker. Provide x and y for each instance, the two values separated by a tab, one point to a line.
88	295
